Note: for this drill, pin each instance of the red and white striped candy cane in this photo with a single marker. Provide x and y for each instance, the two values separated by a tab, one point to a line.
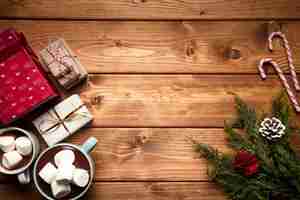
280	73
288	53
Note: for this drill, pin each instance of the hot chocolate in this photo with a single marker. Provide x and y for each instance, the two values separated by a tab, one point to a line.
80	162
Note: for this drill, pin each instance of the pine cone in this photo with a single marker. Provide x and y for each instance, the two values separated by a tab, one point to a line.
272	129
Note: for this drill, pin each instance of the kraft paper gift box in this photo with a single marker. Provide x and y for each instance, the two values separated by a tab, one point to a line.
63	120
24	86
59	60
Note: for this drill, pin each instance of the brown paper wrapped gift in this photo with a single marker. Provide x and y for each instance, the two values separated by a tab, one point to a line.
60	61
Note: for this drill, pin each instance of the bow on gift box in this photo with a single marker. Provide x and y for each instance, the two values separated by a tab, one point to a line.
57	121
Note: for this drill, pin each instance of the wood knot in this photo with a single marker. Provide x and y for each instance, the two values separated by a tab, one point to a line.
17	2
139	1
190	49
96	100
202	12
232	53
118	43
138	141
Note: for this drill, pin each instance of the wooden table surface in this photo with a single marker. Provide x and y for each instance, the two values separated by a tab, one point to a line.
161	71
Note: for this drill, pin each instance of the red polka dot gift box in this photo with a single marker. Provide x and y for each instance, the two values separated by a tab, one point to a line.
24	86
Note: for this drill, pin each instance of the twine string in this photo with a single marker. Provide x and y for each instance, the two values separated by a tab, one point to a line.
65	68
57	121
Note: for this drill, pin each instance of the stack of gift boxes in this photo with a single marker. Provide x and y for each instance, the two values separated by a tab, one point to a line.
25	86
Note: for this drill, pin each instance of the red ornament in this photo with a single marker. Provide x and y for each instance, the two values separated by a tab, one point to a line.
246	162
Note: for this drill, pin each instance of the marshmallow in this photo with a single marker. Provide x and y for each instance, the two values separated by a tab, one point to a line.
11	159
48	173
64	157
60	190
7	143
24	146
65	174
81	177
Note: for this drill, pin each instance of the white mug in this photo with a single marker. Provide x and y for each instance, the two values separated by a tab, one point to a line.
85	149
23	173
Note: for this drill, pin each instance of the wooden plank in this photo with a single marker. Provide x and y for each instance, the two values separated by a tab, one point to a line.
150	154
173	100
131	190
155	9
153	154
164	47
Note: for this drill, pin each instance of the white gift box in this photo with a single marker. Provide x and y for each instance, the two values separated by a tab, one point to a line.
63	120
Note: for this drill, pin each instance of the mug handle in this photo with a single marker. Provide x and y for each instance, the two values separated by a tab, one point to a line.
89	145
24	177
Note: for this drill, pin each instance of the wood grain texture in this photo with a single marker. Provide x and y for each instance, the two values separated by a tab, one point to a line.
151	9
147	154
150	154
164	47
131	190
173	100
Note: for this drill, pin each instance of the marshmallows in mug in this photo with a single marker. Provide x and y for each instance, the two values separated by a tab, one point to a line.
60	190
63	174
14	149
24	146
64	157
11	159
81	177
7	143
48	173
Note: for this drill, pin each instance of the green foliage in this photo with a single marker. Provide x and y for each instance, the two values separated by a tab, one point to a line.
278	177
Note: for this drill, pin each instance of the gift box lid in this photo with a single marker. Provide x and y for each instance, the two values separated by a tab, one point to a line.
69	105
23	85
9	42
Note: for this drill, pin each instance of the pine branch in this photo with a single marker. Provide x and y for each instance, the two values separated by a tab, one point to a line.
281	108
207	152
246	117
236	141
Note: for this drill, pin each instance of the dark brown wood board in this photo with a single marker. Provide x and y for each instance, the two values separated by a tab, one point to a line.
173	100
151	9
227	47
131	190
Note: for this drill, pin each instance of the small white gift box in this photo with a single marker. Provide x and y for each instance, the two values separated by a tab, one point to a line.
63	120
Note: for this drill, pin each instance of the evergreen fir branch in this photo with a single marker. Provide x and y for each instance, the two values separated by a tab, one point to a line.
207	152
236	141
281	108
246	117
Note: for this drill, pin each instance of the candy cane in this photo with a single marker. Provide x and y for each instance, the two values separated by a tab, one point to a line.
282	78
288	53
